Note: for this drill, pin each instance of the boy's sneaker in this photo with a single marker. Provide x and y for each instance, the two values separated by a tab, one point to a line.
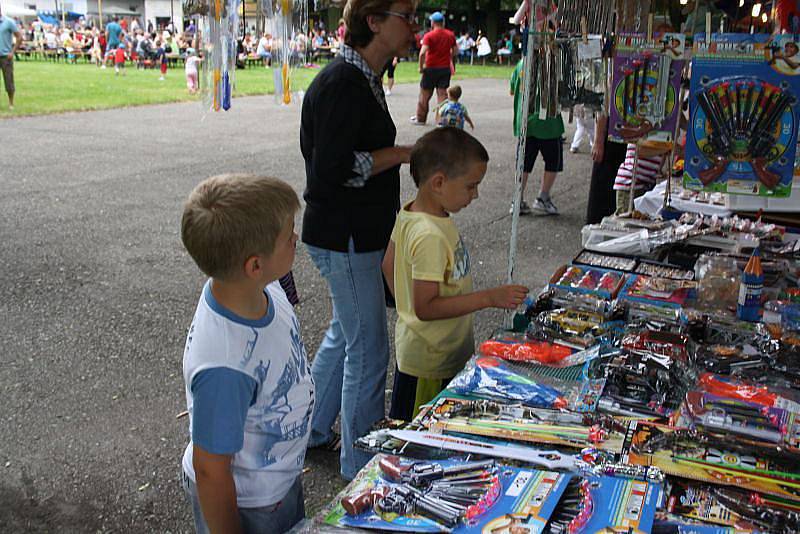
415	121
524	208
545	207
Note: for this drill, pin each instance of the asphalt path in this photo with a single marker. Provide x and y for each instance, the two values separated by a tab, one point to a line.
97	291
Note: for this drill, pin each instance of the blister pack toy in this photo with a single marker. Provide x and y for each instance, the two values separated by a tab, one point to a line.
716	458
523	424
447	496
742	136
606	504
731	507
645	88
602	283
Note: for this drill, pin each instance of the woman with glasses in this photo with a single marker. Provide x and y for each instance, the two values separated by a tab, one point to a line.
352	196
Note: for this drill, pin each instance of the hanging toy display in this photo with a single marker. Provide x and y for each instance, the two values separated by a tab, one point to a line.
287	21
743	129
218	29
645	84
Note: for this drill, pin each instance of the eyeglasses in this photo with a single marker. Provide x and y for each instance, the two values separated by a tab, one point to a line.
410	18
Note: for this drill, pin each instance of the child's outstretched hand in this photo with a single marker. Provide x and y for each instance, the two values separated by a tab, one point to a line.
507	297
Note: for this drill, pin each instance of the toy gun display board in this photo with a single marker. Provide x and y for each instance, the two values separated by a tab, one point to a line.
742	135
383	497
645	86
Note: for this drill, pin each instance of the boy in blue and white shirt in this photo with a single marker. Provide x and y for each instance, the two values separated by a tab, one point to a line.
451	112
249	389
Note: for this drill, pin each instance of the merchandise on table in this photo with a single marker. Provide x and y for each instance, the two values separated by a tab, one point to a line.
645	88
731	507
605	261
486	498
520	348
716	459
523	424
601	283
743	124
572	327
530	384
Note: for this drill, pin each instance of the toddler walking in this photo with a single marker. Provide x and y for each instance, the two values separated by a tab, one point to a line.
451	112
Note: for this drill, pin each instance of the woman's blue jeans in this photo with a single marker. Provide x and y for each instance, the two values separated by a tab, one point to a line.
349	368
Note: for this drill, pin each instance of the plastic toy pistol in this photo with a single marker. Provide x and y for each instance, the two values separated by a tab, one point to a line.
421	474
719	139
763	140
359	503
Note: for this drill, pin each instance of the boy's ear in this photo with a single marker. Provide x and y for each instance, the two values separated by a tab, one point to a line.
253	266
437	181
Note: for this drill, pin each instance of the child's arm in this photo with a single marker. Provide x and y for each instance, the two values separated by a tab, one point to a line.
469	120
388	266
429	306
216	490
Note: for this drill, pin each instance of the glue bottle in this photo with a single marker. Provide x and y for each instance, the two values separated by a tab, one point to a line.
748	307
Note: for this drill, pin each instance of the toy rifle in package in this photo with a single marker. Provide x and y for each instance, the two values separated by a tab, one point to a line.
742	133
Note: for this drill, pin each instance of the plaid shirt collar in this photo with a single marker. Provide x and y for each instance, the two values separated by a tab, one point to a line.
351	56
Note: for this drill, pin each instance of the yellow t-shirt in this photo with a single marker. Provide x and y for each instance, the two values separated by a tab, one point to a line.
429	248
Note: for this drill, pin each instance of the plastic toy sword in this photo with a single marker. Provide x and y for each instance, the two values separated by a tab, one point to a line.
547	459
287	96
216	31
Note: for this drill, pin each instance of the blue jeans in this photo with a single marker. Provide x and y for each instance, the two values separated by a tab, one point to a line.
349	369
278	517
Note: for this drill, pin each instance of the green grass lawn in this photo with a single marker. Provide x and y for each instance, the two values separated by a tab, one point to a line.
46	87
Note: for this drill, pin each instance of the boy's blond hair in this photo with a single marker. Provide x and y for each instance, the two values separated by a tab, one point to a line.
454	92
230	217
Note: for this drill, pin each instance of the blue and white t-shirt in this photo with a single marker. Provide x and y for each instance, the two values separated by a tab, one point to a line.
249	394
452	114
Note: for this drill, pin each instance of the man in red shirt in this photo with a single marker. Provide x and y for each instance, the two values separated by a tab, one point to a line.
435	63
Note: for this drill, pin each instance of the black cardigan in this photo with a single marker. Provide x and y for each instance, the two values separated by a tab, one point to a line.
341	115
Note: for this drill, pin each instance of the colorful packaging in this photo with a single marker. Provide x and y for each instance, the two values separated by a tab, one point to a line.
645	88
742	137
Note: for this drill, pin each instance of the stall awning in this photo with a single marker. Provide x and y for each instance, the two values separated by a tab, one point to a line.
18	11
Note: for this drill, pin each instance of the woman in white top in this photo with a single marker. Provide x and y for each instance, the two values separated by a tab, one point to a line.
484	48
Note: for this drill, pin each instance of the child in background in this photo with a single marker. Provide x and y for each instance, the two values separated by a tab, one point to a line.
647	170
161	57
249	390
427	268
451	112
192	62
119	60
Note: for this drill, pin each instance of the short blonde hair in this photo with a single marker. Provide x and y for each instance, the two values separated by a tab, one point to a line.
454	92
230	217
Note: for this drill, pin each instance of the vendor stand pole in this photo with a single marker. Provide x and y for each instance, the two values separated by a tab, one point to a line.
633	176
523	134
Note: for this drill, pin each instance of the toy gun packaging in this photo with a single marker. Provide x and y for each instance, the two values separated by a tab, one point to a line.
645	88
742	134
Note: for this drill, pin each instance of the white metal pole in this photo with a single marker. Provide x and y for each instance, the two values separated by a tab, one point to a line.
533	41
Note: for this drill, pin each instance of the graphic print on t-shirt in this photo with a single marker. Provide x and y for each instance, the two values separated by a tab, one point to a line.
275	428
461	257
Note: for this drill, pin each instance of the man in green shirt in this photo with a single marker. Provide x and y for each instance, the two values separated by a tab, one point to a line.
543	136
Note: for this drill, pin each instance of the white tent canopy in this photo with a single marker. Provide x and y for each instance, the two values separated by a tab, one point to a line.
10	10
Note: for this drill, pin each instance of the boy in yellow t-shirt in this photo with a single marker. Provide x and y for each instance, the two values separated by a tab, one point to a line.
428	270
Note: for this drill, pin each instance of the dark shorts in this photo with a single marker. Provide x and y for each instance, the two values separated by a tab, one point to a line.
552	151
409	392
390	69
7	67
438	78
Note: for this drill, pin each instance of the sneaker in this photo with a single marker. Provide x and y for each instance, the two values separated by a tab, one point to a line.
545	207
415	121
524	208
104	66
161	79
573	150
387	92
